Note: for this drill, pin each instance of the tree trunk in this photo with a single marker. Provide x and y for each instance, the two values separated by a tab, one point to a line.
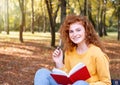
101	24
86	7
44	18
49	8
104	25
119	22
6	25
21	33
98	16
90	14
32	18
104	18
63	10
22	26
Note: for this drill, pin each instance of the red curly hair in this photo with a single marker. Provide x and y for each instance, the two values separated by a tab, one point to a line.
90	33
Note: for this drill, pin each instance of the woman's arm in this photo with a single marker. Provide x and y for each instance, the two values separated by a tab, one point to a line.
102	65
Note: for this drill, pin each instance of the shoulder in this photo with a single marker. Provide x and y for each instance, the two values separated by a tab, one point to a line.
95	49
96	52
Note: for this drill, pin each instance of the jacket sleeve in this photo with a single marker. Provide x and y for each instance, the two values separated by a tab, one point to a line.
102	65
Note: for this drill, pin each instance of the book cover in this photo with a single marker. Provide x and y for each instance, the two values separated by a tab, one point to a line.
79	72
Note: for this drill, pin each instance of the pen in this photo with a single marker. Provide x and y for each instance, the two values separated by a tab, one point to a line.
60	44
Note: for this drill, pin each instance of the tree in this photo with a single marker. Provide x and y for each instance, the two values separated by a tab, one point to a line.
32	16
98	16
86	7
116	4
104	17
119	21
90	14
44	17
6	23
52	19
80	8
22	25
63	10
101	24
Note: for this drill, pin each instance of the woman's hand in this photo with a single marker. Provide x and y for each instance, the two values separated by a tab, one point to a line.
58	57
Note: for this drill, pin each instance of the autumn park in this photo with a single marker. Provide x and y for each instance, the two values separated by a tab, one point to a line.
29	34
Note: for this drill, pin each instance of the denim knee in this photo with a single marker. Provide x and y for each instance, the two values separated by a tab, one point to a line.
80	82
41	77
43	71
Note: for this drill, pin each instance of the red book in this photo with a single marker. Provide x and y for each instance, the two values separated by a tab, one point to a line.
79	72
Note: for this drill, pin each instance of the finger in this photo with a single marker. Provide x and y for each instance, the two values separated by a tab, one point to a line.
56	53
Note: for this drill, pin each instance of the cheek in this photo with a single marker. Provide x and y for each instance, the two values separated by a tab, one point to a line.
70	34
83	34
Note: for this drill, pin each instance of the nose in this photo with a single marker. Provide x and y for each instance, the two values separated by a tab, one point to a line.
74	34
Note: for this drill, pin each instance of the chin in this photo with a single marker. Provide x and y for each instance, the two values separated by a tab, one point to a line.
77	42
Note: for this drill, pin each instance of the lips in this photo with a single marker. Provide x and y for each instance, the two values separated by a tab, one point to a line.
74	38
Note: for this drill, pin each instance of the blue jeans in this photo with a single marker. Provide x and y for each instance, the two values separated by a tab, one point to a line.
42	77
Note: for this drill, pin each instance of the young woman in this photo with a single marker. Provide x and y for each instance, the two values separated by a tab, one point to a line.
81	44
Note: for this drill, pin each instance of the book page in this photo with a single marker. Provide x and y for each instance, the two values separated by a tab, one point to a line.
75	68
58	71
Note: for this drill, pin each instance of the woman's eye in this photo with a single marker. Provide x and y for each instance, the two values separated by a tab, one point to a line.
70	31
78	30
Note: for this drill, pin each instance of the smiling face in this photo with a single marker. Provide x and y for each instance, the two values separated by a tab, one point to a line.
77	33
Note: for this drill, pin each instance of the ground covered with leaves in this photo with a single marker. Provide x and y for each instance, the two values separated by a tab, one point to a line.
20	61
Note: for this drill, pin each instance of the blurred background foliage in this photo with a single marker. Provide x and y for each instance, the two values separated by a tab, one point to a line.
47	15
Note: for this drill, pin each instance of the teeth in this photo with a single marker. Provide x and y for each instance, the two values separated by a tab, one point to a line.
76	38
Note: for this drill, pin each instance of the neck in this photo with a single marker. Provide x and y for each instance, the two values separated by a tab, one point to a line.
82	48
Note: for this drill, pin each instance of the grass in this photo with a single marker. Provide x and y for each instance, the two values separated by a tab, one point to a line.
110	36
26	36
44	36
